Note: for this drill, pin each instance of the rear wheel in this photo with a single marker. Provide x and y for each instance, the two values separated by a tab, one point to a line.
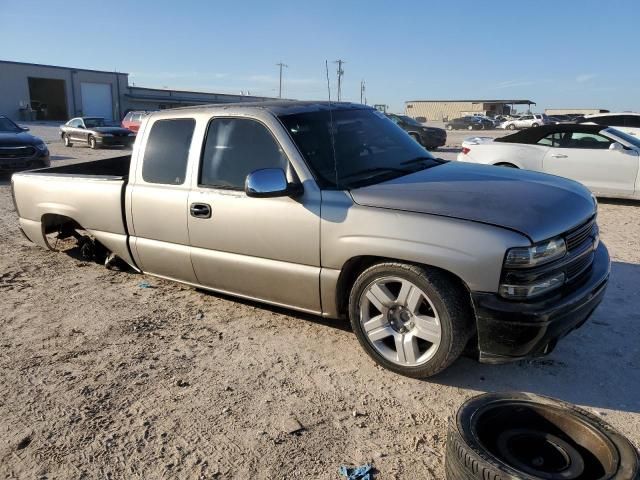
92	142
411	320
449	127
67	140
470	127
511	127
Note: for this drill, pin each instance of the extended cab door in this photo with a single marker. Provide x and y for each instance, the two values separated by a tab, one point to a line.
261	248
585	157
158	197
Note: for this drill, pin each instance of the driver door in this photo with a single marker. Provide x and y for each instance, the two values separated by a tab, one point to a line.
261	248
586	157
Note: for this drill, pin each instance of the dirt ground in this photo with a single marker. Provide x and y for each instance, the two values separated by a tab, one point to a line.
102	378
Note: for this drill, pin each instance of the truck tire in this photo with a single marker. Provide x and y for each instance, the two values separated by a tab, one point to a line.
412	320
510	436
67	140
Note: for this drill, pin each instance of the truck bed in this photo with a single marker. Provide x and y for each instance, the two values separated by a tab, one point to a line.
112	168
88	195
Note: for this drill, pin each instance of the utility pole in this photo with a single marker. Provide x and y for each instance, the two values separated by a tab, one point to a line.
362	95
281	65
340	74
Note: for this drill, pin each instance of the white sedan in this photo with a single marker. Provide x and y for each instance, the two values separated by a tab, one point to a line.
605	160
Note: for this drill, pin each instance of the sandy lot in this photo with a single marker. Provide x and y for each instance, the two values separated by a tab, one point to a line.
101	378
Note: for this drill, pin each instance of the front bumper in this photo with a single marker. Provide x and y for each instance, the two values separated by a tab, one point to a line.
115	141
16	164
511	330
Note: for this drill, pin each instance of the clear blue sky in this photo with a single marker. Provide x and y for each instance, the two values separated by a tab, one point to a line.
578	53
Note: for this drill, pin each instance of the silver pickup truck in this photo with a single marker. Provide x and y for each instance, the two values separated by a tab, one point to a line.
334	210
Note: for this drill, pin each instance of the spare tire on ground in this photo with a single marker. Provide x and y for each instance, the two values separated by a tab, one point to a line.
506	436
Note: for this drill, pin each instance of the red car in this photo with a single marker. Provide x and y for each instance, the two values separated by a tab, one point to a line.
133	119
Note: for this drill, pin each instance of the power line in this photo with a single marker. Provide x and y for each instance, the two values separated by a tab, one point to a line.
281	65
340	74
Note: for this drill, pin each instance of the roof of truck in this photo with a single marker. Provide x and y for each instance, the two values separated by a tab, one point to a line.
280	107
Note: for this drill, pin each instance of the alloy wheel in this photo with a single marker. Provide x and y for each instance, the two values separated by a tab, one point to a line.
400	321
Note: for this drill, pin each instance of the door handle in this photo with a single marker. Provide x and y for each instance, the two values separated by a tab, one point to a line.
200	210
559	155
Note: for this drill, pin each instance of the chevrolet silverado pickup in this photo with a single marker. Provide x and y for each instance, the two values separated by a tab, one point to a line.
332	209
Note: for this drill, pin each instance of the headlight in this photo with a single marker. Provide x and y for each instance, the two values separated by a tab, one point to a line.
523	257
41	146
538	287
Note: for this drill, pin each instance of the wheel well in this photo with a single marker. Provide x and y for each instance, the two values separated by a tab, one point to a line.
506	164
352	269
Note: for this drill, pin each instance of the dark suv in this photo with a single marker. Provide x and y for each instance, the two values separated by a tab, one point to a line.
429	137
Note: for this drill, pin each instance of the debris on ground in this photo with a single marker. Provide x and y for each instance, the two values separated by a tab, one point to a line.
145	284
363	472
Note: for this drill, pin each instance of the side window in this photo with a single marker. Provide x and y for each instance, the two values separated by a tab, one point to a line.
588	140
234	148
167	151
551	140
609	120
632	121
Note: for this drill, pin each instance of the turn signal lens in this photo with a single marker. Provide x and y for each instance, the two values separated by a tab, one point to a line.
534	289
465	150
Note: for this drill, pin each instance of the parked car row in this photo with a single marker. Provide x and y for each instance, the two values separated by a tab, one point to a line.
470	122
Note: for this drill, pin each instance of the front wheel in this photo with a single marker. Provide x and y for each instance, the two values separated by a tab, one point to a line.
511	127
449	127
92	143
67	140
470	127
534	124
412	320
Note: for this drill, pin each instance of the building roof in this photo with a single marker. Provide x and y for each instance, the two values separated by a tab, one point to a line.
62	68
519	102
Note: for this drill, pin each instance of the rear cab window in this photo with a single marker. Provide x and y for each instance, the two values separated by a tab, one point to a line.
167	151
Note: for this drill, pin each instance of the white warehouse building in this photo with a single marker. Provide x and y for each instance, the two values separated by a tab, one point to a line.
31	91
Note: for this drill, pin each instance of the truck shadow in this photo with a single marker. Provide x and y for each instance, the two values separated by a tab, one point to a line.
597	365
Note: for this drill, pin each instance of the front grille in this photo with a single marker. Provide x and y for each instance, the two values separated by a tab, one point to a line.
577	236
17	152
578	266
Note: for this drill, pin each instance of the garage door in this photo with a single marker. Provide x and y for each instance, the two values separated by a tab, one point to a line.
96	100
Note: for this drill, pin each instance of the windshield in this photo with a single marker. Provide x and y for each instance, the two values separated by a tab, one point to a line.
7	125
368	147
410	121
93	122
630	139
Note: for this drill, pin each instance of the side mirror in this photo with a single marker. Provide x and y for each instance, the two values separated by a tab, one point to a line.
25	129
270	182
616	147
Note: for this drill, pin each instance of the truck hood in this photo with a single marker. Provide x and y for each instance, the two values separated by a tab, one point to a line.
537	205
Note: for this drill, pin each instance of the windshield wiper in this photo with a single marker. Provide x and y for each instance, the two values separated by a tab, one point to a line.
418	160
404	171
